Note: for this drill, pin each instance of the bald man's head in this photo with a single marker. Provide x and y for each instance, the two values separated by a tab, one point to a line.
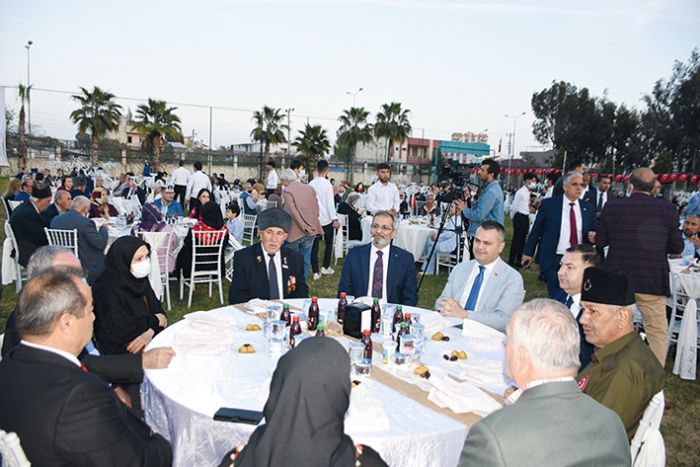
642	179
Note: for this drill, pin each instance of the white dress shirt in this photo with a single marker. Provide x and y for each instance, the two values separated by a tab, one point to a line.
272	180
549	193
181	176
324	195
521	202
575	307
488	269
197	182
68	356
565	229
381	197
277	258
385	263
585	190
603	195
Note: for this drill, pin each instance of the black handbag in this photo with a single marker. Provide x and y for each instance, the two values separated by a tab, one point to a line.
353	319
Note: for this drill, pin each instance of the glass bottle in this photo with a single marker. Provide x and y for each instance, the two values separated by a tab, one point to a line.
294	331
312	315
398	318
367	340
407	319
342	303
286	314
376	320
320	331
403	330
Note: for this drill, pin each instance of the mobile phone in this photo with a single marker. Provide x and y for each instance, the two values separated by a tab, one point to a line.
227	414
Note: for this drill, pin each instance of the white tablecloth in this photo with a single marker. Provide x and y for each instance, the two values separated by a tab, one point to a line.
208	373
409	236
685	363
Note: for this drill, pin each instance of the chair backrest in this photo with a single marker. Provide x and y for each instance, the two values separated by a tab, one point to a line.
11	235
234	243
271	204
419	207
11	451
344	230
206	251
160	243
249	221
647	447
65	238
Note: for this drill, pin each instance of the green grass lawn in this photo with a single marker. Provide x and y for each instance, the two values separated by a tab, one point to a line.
681	422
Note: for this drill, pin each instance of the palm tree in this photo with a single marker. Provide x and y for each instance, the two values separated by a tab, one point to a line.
392	124
312	142
268	130
97	113
157	121
23	96
353	130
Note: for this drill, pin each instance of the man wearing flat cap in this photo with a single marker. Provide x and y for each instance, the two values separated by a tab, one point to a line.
28	223
267	270
623	373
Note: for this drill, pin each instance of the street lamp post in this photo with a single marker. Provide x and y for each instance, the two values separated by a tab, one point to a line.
354	95
289	132
29	104
512	150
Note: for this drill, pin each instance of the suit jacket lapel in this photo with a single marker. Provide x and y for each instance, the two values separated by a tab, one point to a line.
557	215
285	272
393	264
260	271
364	270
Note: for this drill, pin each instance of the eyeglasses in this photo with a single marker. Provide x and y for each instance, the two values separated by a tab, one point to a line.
383	228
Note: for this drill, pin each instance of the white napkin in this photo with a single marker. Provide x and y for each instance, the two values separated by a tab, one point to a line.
258	305
365	399
461	397
211	318
435	322
476	330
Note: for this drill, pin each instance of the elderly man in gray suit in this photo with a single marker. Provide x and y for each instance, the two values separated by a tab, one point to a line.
552	423
484	289
91	241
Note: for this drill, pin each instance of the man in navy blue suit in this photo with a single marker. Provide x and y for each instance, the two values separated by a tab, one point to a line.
573	264
562	222
379	269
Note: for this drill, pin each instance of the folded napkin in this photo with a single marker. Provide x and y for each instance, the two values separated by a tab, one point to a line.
476	330
482	372
210	317
461	397
366	399
203	338
435	322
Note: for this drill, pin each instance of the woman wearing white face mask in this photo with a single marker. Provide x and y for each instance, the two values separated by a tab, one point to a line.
127	312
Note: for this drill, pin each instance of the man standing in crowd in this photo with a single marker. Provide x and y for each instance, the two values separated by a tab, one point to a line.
181	178
299	168
327	216
573	264
577	166
551	423
489	206
28	223
520	214
380	269
641	232
383	195
484	289
167	203
623	373
61	204
301	204
267	269
198	181
42	384
598	197
561	222
272	179
550	182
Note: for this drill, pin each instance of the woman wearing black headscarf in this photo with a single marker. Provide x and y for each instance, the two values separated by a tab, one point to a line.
211	220
305	413
127	312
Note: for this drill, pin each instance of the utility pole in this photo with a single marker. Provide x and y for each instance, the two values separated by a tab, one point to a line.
29	82
511	144
210	121
289	132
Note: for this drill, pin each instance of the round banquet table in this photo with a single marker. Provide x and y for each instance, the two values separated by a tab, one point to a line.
116	232
208	373
410	236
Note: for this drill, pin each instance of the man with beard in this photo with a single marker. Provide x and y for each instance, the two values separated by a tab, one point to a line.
379	269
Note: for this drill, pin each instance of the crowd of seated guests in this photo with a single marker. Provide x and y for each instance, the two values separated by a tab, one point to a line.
99	205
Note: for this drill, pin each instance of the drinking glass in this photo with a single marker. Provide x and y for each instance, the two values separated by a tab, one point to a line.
408	347
277	333
360	366
418	331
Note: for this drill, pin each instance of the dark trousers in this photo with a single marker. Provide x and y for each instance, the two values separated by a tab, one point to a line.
328	231
180	191
521	225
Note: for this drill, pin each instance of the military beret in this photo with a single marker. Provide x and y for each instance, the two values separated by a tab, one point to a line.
607	287
274	217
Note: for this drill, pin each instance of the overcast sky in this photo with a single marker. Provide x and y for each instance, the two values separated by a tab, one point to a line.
457	65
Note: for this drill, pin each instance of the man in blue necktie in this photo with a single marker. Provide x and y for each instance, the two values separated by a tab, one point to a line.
484	289
573	264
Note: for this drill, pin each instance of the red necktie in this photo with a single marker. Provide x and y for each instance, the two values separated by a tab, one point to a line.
378	276
83	367
573	237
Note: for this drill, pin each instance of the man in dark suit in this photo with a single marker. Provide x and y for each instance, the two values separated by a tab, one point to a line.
573	264
268	270
63	414
575	165
91	241
561	222
61	203
598	196
28	224
381	270
641	232
133	191
551	423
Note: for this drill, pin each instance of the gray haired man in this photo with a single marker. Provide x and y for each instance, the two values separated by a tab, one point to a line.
552	423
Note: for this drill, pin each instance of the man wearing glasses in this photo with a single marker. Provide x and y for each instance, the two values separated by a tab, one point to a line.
379	269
